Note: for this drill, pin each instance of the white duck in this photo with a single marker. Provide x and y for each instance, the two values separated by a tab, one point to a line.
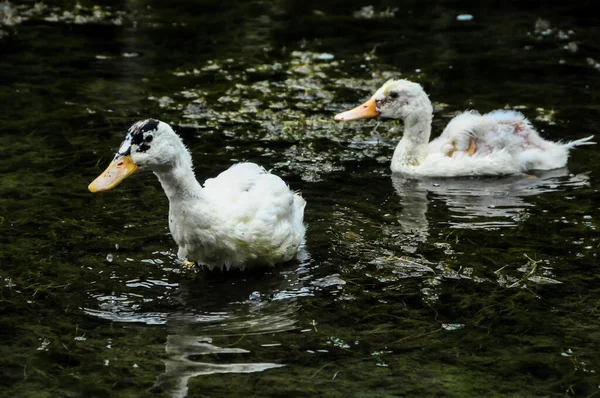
499	142
244	217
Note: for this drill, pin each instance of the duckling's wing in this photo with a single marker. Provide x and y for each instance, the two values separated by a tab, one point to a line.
459	132
508	116
498	130
516	133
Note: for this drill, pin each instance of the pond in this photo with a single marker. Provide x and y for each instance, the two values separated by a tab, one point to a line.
432	287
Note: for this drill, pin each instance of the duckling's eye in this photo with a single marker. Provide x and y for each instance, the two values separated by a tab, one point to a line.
148	138
393	95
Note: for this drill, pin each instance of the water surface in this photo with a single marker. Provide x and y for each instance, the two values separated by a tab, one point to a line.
433	287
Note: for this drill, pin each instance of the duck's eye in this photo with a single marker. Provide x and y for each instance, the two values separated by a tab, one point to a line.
393	95
148	138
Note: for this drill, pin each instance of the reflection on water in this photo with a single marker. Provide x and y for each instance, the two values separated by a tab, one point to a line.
413	217
253	304
476	203
188	342
179	368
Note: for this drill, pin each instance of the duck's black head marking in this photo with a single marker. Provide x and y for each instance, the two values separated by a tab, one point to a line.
140	134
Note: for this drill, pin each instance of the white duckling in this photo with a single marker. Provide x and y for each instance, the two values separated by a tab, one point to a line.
244	217
496	143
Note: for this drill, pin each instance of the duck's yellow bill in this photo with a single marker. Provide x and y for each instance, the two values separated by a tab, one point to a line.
119	169
365	110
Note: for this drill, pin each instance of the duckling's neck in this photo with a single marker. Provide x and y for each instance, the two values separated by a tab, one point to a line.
178	181
413	147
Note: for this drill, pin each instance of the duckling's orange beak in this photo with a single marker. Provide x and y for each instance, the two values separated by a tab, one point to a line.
368	109
119	169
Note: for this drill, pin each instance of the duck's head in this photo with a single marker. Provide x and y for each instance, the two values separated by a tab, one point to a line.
396	99
149	144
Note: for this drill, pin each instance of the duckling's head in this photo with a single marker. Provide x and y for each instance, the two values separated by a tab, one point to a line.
149	144
396	99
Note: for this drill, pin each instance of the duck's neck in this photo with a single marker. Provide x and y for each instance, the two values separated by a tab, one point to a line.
413	147
178	181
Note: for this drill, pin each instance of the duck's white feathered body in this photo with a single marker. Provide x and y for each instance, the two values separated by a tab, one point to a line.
244	217
497	143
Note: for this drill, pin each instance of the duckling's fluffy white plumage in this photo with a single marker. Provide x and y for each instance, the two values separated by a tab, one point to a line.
244	217
497	143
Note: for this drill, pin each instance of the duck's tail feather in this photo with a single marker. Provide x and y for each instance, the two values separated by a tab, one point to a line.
582	141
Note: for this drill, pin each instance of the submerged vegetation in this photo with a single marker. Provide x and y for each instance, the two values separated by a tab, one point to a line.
455	288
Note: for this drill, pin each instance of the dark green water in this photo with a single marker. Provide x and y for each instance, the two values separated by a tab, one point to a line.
450	288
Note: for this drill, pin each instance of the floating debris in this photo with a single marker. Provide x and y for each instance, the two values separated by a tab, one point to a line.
542	27
562	35
546	115
81	15
254	296
592	62
44	346
452	326
368	12
542	280
571	47
11	15
330	280
337	342
325	57
464	17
